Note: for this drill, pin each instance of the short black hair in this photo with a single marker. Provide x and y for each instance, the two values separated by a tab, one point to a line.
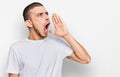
26	15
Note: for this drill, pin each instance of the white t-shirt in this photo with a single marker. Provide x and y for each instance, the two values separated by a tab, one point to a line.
38	58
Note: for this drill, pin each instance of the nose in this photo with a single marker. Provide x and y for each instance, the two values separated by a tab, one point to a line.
46	17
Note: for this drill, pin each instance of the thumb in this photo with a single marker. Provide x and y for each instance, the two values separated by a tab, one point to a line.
52	31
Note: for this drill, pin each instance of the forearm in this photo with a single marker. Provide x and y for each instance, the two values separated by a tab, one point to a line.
78	49
13	75
62	31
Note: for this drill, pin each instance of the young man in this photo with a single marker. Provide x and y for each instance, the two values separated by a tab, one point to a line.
39	55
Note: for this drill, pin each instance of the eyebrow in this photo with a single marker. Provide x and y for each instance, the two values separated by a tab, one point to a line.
42	13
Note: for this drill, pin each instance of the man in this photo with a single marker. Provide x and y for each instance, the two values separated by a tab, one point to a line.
39	55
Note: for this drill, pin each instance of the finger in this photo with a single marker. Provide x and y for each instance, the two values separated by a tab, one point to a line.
55	19
54	22
58	18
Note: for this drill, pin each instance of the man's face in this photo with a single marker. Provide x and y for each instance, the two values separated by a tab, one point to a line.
40	20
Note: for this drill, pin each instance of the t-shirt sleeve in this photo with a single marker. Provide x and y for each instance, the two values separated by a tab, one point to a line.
13	62
67	50
64	48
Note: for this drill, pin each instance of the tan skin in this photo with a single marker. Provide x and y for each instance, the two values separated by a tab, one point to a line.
39	18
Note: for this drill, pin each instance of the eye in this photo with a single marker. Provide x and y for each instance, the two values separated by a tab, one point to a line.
41	14
46	13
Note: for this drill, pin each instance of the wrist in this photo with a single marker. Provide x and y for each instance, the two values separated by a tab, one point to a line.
67	36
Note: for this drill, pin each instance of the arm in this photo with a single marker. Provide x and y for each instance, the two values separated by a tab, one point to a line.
79	53
13	75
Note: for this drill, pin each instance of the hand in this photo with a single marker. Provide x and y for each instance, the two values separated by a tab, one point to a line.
60	28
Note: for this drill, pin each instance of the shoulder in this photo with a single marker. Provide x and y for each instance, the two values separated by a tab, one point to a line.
16	44
57	40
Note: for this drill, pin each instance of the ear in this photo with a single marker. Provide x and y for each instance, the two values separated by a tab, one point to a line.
28	23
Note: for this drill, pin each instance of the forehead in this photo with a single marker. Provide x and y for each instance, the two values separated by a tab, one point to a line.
38	9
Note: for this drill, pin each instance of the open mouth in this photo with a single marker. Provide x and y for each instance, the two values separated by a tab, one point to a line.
46	28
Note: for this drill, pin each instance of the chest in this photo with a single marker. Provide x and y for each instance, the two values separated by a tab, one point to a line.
33	56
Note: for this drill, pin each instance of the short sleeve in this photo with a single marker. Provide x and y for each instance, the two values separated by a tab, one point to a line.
67	50
13	62
64	48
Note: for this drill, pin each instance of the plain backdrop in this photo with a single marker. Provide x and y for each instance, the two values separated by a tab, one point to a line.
94	23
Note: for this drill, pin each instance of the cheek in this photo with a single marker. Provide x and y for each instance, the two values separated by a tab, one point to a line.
41	20
39	24
39	27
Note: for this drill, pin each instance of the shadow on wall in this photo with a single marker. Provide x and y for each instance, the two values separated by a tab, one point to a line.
75	69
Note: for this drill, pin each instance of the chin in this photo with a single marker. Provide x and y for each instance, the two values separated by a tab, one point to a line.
43	36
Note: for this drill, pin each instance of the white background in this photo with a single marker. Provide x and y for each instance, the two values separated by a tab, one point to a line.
94	23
